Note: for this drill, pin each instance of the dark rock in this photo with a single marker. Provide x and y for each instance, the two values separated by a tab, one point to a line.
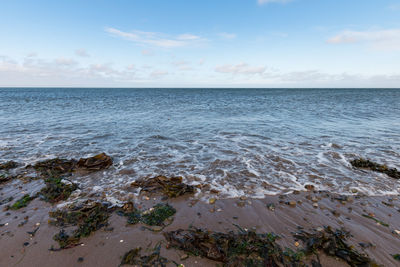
8	165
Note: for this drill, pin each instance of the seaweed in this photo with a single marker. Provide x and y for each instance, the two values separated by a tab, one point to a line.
333	243
244	248
8	165
55	190
88	219
22	202
158	214
396	257
133	257
57	167
5	178
153	217
95	163
376	220
367	164
171	187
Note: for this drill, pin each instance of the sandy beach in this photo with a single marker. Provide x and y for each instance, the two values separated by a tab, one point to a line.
374	223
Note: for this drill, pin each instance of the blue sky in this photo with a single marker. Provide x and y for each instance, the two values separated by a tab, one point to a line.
200	43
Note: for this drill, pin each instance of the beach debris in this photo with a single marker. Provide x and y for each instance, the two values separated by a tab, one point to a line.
244	248
369	216
155	216
367	164
56	190
96	163
133	257
171	187
8	165
87	218
333	243
22	202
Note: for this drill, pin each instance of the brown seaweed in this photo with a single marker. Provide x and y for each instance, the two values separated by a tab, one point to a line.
367	164
56	190
171	187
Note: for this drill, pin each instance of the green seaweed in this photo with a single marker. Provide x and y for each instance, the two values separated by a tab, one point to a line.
396	257
133	257
56	190
373	166
87	219
22	202
153	217
376	220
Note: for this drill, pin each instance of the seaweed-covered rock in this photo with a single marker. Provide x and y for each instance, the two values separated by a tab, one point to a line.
171	187
58	167
367	164
55	167
88	219
96	163
245	248
8	165
56	190
133	257
333	243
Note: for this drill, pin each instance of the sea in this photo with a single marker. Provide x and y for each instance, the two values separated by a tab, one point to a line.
251	142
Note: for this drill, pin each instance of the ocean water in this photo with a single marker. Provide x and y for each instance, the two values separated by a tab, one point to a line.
239	141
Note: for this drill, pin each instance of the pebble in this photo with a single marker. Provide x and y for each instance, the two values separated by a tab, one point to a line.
309	187
184	256
292	203
121	241
314	199
157	228
296	244
315	205
80	259
212	201
243	198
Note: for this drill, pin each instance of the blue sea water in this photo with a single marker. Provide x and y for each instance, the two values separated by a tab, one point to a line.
239	141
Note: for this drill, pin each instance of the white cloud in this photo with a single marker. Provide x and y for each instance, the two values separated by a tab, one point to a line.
377	39
81	53
262	2
156	39
226	35
241	68
65	61
158	73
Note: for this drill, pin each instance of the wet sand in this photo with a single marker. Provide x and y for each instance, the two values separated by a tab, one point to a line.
106	246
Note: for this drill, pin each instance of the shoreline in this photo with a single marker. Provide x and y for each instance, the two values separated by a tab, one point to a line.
27	232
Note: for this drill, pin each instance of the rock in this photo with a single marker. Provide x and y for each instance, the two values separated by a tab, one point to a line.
314	199
171	187
8	165
309	187
292	203
96	163
211	201
315	205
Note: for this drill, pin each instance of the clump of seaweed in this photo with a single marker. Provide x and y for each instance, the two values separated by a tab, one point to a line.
245	248
95	163
155	216
8	165
133	257
333	243
171	187
22	202
367	164
57	167
56	190
5	178
88	219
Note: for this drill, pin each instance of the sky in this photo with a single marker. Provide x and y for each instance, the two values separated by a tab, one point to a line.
200	43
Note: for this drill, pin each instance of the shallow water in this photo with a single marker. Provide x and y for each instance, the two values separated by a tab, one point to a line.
241	141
